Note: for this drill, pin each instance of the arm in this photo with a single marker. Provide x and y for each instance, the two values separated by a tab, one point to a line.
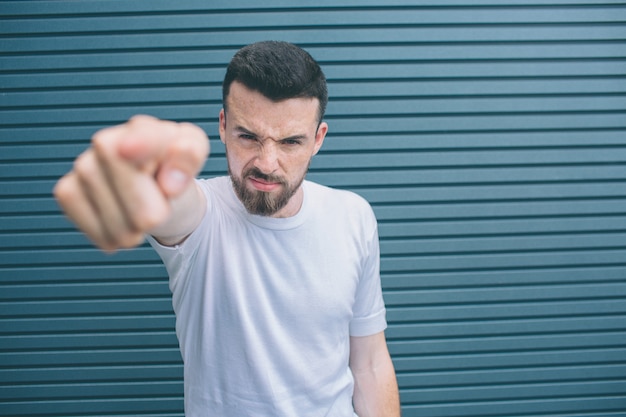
137	178
375	386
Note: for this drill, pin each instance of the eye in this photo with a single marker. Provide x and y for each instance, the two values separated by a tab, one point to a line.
291	142
246	136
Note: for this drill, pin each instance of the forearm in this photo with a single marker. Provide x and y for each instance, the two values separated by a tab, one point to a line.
186	213
376	391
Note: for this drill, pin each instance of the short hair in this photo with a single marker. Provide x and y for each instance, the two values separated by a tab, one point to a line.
279	71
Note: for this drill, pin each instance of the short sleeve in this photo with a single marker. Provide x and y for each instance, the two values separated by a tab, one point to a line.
369	314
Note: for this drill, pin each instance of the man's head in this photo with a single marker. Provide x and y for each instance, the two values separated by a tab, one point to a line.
278	70
274	100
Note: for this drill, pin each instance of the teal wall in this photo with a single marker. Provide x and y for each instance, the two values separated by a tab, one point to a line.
489	136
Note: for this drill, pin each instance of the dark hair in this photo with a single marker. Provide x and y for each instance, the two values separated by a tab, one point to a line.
279	71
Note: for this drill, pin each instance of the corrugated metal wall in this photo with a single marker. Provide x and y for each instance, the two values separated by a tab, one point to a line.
489	136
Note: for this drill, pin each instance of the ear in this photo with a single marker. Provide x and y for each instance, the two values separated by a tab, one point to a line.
319	136
222	126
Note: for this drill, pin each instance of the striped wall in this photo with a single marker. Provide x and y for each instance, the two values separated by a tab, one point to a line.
489	136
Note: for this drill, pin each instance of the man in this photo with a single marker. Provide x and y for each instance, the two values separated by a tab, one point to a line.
275	280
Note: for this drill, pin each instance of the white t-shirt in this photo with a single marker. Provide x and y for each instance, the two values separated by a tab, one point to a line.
265	306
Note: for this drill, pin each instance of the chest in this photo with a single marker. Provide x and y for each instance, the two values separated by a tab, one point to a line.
305	276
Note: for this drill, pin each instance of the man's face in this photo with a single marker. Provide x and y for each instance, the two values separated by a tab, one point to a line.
269	146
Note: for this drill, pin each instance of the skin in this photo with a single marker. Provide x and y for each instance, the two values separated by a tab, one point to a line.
375	385
136	179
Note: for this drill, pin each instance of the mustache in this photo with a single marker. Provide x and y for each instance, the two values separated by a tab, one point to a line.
257	173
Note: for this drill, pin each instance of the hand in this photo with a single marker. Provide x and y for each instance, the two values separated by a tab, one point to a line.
123	186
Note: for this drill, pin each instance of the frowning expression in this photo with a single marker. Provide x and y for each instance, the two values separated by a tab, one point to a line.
269	146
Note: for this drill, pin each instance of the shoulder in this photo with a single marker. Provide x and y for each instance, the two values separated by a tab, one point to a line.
215	184
342	203
215	188
219	195
336	196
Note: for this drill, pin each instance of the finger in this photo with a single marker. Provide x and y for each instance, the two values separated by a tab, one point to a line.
174	152
77	207
183	160
177	150
136	192
134	154
144	140
116	229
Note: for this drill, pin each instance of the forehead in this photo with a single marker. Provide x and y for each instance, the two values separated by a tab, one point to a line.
252	110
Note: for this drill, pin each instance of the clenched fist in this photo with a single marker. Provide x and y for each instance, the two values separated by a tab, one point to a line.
137	178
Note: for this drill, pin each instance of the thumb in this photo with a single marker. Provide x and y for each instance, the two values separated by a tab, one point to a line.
183	160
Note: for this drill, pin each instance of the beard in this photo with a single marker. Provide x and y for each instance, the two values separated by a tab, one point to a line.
259	202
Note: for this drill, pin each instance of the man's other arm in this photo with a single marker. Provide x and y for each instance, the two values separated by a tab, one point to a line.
375	386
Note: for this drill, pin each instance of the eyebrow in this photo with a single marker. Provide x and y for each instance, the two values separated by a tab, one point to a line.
242	129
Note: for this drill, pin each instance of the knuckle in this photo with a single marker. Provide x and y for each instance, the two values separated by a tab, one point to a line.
182	148
140	119
191	129
104	141
192	144
194	132
100	139
146	124
64	190
84	165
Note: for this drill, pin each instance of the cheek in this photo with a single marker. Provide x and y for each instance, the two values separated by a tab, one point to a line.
298	166
235	160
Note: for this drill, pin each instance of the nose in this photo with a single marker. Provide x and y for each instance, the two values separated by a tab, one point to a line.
267	160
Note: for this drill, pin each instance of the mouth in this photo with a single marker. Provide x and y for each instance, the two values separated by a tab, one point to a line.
263	185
